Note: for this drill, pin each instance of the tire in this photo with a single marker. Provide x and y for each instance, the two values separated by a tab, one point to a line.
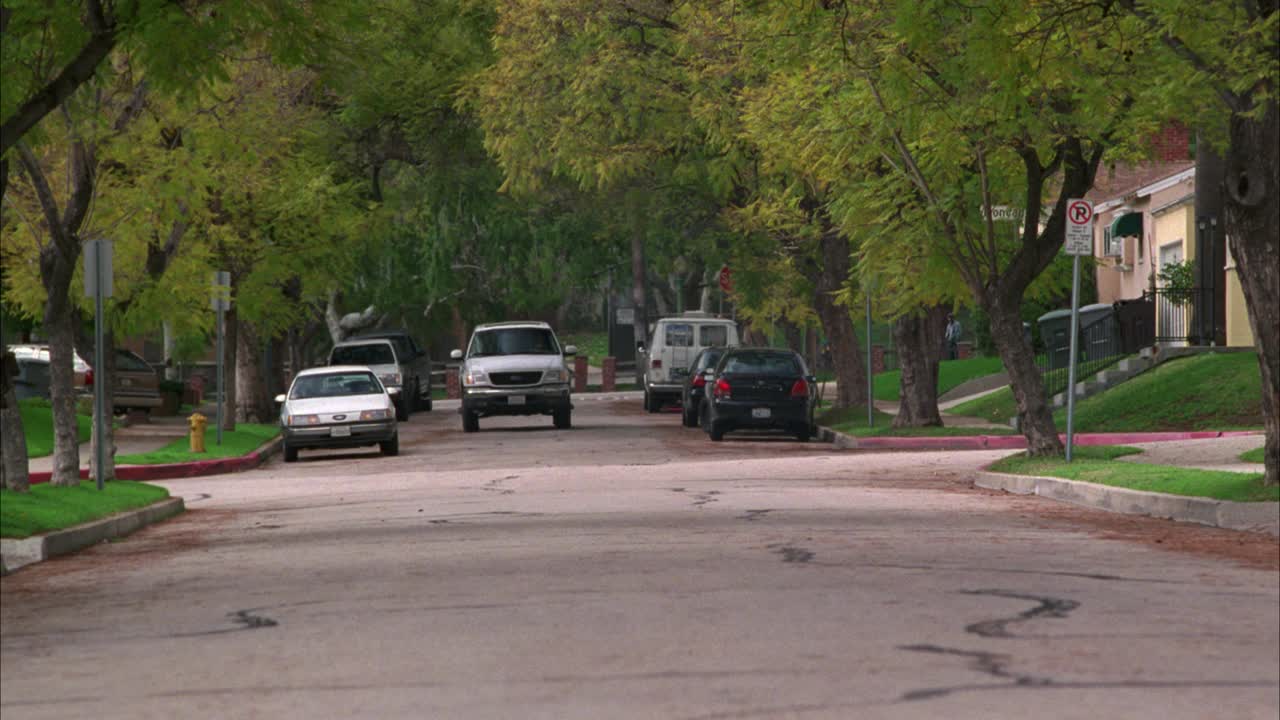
805	434
687	418
716	431
391	447
563	419
402	408
290	453
470	421
426	402
703	418
651	402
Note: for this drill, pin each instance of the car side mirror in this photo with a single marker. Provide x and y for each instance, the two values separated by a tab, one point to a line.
570	350
456	355
279	399
811	379
640	348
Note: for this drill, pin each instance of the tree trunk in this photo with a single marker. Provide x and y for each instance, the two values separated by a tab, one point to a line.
1253	224
828	275
918	338
793	334
1035	416
66	441
229	340
170	349
252	403
639	292
13	440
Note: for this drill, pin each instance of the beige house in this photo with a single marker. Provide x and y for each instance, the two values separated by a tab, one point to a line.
1144	219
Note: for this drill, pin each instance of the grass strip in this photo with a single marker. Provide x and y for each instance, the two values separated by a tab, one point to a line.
246	438
1255	456
1098	465
37	426
46	508
951	374
853	421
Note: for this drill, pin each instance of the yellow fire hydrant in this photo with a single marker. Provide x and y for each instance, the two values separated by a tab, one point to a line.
197	423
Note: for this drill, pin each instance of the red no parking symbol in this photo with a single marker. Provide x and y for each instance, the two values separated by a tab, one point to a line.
1080	212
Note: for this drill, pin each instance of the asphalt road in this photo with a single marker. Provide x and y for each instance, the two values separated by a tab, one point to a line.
630	568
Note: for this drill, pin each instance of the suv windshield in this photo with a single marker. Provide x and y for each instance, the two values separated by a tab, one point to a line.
371	354
514	341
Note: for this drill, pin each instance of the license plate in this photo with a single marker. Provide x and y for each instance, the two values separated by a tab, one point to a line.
760	413
341	431
515	400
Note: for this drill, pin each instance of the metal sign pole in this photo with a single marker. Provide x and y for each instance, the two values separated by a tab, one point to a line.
101	379
871	400
1071	365
220	376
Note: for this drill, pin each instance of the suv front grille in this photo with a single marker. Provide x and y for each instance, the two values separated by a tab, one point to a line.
515	378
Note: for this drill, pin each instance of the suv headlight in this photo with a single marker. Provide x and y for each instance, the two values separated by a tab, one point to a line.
556	376
390	379
475	377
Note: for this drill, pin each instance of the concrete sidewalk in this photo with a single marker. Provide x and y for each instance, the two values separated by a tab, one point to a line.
146	437
1210	454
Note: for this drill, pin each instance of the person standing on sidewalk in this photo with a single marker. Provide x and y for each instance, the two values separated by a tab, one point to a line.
952	337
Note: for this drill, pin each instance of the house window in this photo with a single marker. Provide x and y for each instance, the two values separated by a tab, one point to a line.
1111	246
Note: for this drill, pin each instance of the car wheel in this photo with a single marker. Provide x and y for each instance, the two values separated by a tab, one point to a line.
290	453
402	408
805	433
716	431
703	417
392	446
470	421
688	418
563	419
426	401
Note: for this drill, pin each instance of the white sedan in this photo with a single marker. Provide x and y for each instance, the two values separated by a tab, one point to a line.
338	407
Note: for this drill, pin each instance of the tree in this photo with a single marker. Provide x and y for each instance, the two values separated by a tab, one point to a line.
1216	66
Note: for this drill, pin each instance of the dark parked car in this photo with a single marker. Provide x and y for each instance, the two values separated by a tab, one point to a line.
694	393
416	363
33	378
761	389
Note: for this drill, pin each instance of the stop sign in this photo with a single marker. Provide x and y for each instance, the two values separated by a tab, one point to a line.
726	279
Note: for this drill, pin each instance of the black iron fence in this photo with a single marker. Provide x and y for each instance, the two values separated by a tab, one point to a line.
1179	314
1101	344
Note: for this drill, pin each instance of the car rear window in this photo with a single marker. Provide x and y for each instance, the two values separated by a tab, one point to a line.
128	361
710	358
335	385
750	363
371	354
713	335
679	335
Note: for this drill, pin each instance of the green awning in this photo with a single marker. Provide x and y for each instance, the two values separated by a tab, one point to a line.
1127	225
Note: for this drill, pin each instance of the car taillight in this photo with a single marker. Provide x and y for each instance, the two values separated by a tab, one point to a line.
800	389
699	381
88	378
722	389
656	363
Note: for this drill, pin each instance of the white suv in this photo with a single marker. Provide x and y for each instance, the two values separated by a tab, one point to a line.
514	368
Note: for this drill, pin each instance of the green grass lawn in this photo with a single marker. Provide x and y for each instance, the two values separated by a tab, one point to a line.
46	508
595	345
1214	391
853	421
246	438
1097	465
1255	456
951	373
37	425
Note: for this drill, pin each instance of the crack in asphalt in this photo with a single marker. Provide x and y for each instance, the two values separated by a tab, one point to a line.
792	554
753	515
706	498
245	619
999	628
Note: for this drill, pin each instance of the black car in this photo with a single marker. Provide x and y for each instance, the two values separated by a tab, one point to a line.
761	389
694	386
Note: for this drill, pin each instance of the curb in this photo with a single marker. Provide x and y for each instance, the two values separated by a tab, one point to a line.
1009	442
19	552
196	468
1261	517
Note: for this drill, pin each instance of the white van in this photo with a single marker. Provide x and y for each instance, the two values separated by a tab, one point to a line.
675	342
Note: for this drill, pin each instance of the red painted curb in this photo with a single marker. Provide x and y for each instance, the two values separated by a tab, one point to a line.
1016	442
170	471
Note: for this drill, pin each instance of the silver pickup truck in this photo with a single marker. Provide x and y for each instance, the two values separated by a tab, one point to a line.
415	363
515	368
